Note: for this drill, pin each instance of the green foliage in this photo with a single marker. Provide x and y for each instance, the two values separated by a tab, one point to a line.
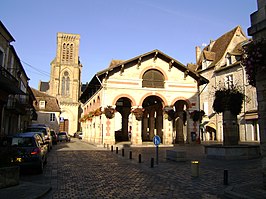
228	99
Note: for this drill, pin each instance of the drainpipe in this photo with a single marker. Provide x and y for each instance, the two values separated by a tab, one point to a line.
244	87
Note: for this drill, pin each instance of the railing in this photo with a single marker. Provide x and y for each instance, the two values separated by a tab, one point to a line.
6	74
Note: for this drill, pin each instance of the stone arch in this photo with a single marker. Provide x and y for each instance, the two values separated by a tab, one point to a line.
123	107
180	113
155	68
67	116
133	101
182	98
152	121
164	100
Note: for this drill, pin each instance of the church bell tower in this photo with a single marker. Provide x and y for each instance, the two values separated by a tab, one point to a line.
65	80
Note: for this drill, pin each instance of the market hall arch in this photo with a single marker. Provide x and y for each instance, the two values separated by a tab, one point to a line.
123	107
152	121
179	115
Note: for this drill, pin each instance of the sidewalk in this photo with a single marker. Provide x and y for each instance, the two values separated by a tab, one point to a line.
25	190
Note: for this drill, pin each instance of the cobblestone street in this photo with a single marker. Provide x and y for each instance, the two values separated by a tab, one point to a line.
80	170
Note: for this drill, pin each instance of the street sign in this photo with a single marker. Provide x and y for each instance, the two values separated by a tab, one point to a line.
156	140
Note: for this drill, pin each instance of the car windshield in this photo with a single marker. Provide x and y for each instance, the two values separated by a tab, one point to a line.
37	130
22	142
62	133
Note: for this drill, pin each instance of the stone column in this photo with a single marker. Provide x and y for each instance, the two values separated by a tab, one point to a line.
167	130
230	130
136	131
258	31
179	128
109	131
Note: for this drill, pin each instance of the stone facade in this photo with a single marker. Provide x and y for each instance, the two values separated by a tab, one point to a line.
258	31
141	92
48	110
219	62
16	97
65	80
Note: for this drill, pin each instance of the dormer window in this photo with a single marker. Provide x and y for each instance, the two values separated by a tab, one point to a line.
42	105
228	60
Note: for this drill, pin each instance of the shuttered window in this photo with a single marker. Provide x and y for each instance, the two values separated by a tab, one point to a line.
153	79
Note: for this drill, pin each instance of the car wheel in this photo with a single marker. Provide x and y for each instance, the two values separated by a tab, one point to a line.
45	160
40	167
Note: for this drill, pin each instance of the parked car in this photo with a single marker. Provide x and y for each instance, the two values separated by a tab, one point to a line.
45	130
80	135
31	151
63	136
54	136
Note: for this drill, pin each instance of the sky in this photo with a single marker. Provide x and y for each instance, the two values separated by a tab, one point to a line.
117	29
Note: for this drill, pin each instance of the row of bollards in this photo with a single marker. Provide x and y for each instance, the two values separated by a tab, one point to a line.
194	164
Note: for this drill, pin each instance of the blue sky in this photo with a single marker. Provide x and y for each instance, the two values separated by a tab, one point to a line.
117	29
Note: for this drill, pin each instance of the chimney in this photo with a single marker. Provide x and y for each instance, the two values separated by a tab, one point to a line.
198	52
211	44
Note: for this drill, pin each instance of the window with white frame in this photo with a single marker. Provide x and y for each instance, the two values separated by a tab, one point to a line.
42	105
52	117
228	81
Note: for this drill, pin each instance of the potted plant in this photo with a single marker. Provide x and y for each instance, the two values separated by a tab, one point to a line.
109	112
197	115
138	112
254	59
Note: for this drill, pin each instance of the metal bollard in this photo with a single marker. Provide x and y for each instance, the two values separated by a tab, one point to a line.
139	158
225	177
116	150
194	168
130	155
112	148
107	146
152	162
123	152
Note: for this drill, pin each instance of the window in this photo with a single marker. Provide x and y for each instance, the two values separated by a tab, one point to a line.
228	60
153	79
67	52
42	105
228	81
52	117
1	58
65	84
206	108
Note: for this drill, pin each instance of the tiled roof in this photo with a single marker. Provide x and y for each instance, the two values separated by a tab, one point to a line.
51	103
217	49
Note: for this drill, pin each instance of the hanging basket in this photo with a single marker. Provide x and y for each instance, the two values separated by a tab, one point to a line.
138	112
109	112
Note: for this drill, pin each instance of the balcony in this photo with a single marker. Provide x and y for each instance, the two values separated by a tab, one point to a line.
18	106
8	82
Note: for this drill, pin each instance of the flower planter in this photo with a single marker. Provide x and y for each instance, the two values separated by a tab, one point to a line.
9	176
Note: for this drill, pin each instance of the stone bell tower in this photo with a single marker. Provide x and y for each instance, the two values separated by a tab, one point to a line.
65	80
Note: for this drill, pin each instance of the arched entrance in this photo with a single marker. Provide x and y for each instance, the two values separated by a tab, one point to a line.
123	106
179	122
152	121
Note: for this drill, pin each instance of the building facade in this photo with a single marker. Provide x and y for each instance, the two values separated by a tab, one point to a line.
65	80
16	98
258	33
47	109
220	63
133	100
